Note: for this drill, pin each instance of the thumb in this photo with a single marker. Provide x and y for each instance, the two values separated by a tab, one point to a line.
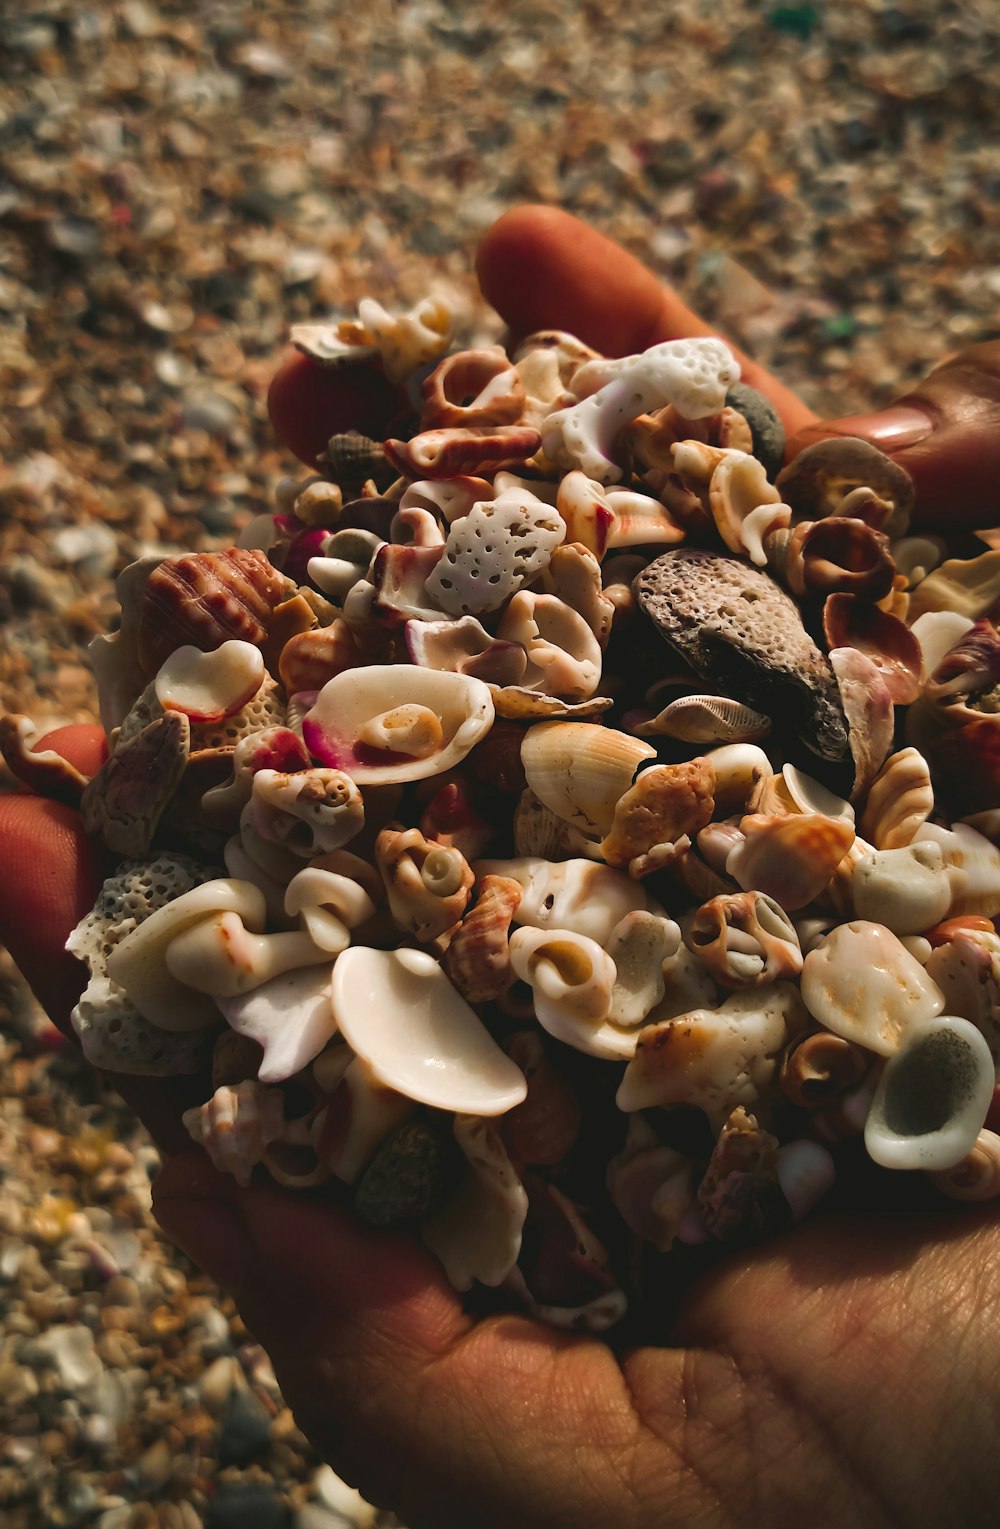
945	433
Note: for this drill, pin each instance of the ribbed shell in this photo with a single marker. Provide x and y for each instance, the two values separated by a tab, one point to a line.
205	599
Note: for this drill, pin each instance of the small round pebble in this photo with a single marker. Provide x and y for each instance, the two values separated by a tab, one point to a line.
766	428
408	1177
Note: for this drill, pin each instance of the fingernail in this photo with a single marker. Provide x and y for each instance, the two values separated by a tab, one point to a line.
211	1233
891	429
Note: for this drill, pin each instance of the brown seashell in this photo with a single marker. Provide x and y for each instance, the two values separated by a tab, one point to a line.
838	556
353	458
311	658
472	388
867	704
849	622
667	805
204	599
977	1176
820	1067
478	959
126	798
900	799
319	504
43	771
518	704
745	940
816	481
789	858
235	1058
541	1132
455	452
707	719
427	883
291	618
740	1198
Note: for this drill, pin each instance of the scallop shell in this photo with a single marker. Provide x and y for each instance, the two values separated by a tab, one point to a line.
789	858
900	799
581	770
203	599
478	957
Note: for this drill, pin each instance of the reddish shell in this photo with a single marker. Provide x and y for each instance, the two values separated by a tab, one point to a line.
486	378
308	403
965	760
455	452
309	659
478	959
850	622
204	599
841	556
789	858
543	1130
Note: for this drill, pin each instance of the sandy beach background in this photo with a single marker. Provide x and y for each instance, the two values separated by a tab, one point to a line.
178	183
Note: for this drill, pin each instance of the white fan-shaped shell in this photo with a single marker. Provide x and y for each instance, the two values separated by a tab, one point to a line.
398	1011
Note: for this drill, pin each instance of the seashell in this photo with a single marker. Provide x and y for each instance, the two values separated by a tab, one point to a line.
473	388
448	498
542	1131
477	960
290	1017
414	527
236	1126
745	940
565	350
906	889
739	1196
333	344
264	710
974	867
818	479
358	1116
838	556
292	618
328	905
714	1059
932	1097
891	646
650	1186
465	647
540	831
938	632
977	1176
563	1263
583	505
377	723
686	986
916	556
126	799
739	486
820	1067
868	708
138	962
571	980
208	687
788	858
458	452
409	1177
806	1172
477	1235
863	984
793	791
275	748
654	820
738	769
119	675
203	599
399	1012
574	577
692	374
219	956
638	945
400	575
740	632
349	458
563	656
579	895
309	812
43	771
407	340
581	770
966	967
345	561
428	884
900	799
641	521
707	719
966	586
516	704
311	658
501	544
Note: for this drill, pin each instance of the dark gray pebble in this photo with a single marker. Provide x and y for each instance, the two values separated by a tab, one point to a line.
766	428
408	1177
246	1429
239	1505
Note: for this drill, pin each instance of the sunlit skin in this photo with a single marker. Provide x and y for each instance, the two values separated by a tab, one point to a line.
845	1373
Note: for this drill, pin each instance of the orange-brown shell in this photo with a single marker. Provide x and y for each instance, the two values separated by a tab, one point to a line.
789	858
204	599
667	803
486	378
478	958
839	556
309	659
541	1132
820	1067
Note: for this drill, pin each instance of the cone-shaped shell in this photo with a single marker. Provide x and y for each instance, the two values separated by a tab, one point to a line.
581	770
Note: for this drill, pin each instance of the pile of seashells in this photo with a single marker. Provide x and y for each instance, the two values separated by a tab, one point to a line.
543	828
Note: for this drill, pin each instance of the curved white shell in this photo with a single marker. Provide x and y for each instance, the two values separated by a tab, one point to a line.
738	767
220	956
937	633
932	1097
862	983
310	812
973	864
399	1012
477	1235
291	1017
562	653
210	686
354	700
572	980
237	1125
581	895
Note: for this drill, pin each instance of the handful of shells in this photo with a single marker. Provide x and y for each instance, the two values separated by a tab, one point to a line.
556	827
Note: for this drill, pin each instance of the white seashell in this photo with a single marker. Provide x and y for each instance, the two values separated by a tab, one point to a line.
291	1017
707	719
638	945
477	1235
737	487
693	374
869	710
328	905
581	895
808	795
407	340
581	770
563	655
937	632
574	576
715	1059
907	889
324	343
345	561
738	767
361	1113
399	1012
861	983
687	985
586	510
932	1097
465	647
900	799
400	574
220	956
540	831
138	963
571	979
974	867
237	1125
745	940
428	884
210	686
758	524
806	1172
501	544
367	701
310	812
640	521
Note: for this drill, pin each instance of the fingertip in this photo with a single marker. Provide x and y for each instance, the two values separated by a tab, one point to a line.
83	744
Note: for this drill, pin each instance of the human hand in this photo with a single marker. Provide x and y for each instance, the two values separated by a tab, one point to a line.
847	1370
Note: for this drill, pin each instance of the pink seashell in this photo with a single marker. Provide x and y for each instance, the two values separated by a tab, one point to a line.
473	388
204	599
849	622
868	708
789	858
400	575
450	818
478	956
456	452
583	505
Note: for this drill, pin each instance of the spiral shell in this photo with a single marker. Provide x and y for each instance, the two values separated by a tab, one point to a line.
478	956
237	1125
977	1176
820	1067
204	599
428	884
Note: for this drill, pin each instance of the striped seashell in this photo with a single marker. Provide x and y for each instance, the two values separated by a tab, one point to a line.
458	452
473	388
789	858
205	598
353	458
541	1132
311	658
739	1197
540	831
478	958
707	719
127	797
900	800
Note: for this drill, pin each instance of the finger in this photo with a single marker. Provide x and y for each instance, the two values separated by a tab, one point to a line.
82	743
946	433
308	403
541	268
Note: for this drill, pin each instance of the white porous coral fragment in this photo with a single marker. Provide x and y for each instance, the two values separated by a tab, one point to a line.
694	375
499	545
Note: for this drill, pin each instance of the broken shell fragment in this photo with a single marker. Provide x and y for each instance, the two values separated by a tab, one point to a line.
638	945
581	895
571	979
43	771
563	657
932	1097
477	1234
473	388
862	983
745	940
900	800
499	545
478	956
399	1012
820	1067
855	623
236	1126
655	820
906	889
210	686
818	479
310	812
128	796
977	1176
290	1016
